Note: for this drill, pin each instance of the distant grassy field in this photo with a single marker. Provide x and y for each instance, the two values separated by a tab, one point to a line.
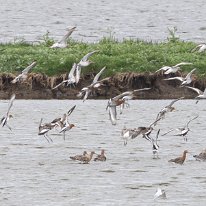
124	56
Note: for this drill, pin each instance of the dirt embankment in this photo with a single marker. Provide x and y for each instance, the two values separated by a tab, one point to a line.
40	86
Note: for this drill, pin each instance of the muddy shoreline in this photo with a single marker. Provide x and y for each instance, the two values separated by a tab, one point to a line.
39	86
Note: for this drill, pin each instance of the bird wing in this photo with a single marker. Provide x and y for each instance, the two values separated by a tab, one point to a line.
195	89
175	78
172	102
168	132
58	85
85	58
128	93
138	90
157	135
113	114
98	75
11	103
204	93
66	36
33	64
78	73
189	74
86	94
191	120
183	63
71	73
165	68
71	110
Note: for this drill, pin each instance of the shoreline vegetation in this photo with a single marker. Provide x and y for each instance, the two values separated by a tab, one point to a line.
130	64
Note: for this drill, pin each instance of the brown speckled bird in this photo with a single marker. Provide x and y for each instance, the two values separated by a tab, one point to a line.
100	157
180	160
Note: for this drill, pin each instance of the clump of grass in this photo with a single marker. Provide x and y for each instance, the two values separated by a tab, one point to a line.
118	56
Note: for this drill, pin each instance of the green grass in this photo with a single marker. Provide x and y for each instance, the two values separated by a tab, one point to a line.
124	56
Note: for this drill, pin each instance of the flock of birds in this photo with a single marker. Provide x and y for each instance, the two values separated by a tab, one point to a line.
62	124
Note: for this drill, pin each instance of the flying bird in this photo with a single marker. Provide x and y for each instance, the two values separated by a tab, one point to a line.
44	129
184	80
168	108
199	48
63	42
84	62
23	76
71	77
201	95
5	119
155	146
96	83
183	130
172	69
66	127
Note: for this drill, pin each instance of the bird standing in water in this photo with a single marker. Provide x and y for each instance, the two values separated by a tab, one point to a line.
180	160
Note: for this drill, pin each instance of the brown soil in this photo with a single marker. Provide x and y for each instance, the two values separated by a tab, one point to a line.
38	86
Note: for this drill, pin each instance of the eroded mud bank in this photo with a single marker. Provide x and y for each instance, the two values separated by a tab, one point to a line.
39	86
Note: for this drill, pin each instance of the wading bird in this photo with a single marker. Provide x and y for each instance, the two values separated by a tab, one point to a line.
101	157
201	156
180	160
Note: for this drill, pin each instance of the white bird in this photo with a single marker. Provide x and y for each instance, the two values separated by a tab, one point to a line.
5	119
172	69
176	68
129	134
200	48
160	194
185	80
201	95
84	62
183	130
23	76
63	42
71	78
96	83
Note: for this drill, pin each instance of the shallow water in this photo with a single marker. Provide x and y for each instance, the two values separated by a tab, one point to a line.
148	20
34	172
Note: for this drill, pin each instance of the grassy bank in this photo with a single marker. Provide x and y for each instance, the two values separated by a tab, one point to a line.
124	56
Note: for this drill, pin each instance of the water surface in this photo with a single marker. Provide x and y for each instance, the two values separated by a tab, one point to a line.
148	20
34	172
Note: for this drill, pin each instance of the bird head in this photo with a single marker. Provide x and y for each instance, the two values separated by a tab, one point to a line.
10	116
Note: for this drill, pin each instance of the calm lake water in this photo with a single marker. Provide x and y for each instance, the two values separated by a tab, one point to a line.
34	172
148	20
